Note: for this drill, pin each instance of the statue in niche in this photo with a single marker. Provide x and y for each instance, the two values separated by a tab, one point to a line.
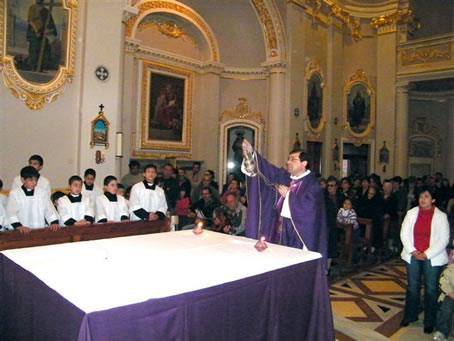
314	101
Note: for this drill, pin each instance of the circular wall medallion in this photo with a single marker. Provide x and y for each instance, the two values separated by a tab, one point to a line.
102	73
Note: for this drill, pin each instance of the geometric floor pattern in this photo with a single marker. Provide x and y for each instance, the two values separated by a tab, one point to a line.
373	298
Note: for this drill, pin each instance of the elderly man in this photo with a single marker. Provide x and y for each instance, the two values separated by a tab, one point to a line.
231	217
294	213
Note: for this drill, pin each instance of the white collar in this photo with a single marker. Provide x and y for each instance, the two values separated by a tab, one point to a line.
294	177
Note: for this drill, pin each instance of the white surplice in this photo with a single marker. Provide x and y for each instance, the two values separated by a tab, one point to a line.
111	210
148	199
74	210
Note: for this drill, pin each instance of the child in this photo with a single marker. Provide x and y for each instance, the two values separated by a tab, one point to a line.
29	206
111	207
89	188
347	215
444	318
182	208
55	196
37	162
148	201
3	198
75	208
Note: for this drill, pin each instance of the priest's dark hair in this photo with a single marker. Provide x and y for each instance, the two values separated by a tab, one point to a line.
90	171
29	172
36	158
74	178
150	165
303	156
108	179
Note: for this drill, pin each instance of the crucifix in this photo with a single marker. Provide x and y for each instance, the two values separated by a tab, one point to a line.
101	107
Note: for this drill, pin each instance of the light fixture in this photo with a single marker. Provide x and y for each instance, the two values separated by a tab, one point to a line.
119	144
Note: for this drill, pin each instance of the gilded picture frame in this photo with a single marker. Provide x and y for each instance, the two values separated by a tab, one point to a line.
166	108
358	107
37	48
315	118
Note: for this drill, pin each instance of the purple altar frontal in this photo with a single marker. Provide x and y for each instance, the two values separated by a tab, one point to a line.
168	286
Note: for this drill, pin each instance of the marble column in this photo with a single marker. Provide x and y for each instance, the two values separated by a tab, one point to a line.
401	142
277	136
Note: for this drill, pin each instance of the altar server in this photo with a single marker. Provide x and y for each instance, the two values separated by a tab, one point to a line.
89	188
75	208
3	197
37	162
111	207
29	206
147	201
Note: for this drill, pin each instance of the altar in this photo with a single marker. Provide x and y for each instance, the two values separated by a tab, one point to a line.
166	286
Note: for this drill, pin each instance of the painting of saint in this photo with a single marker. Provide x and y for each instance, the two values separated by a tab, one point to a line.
235	137
314	101
99	132
358	108
166	116
37	38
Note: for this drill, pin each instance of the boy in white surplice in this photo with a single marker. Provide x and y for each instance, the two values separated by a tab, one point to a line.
111	207
29	206
75	208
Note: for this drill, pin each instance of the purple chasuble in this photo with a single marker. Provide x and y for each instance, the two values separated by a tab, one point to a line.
307	207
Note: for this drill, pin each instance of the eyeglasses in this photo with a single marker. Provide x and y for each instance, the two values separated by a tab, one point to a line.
331	185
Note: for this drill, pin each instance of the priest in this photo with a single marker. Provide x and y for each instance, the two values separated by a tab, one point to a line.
286	206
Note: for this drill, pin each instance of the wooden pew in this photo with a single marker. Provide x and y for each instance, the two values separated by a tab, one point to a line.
345	246
39	237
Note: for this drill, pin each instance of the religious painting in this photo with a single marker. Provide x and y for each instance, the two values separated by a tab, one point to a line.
359	107
37	48
315	121
100	130
314	100
234	152
166	107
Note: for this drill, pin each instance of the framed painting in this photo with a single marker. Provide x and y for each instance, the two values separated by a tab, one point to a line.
37	48
315	119
166	107
359	107
100	130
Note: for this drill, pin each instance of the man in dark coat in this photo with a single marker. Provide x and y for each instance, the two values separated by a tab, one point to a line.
292	215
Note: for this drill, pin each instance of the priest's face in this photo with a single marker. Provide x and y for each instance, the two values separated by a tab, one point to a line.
150	175
294	165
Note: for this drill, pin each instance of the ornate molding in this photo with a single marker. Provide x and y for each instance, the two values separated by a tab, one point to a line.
146	7
398	18
423	55
241	112
36	95
271	40
169	29
128	12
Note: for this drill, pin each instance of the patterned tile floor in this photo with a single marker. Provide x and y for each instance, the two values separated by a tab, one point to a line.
374	298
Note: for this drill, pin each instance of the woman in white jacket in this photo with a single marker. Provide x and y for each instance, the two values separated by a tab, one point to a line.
424	235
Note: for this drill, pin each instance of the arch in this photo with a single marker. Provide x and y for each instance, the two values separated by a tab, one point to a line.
272	27
147	7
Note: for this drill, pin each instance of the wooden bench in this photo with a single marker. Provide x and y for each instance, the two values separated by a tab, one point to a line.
39	237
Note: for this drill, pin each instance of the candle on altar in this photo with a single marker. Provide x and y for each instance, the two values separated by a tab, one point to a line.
261	245
198	229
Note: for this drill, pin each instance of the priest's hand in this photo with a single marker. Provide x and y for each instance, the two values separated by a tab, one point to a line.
54	227
153	216
283	190
24	229
247	146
